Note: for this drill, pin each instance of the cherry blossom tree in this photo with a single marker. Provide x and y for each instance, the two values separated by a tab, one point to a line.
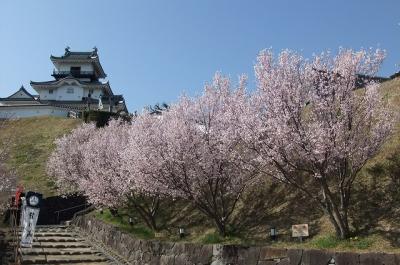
66	163
307	125
89	161
106	182
194	151
110	183
315	128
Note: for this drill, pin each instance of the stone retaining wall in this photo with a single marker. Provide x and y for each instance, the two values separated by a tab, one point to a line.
153	252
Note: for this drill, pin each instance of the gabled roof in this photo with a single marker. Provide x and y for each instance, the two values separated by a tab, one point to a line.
22	93
60	82
91	57
76	55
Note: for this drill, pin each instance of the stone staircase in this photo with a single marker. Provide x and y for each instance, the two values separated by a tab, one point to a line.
63	245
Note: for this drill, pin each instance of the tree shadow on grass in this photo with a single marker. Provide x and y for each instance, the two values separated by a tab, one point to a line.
171	215
273	204
376	202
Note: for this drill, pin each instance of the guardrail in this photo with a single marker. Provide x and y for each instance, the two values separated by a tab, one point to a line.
85	206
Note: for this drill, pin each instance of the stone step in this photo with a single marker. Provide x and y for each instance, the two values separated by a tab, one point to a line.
80	244
57	251
81	263
52	226
57	259
57	239
61	229
55	234
52	231
48	241
47	228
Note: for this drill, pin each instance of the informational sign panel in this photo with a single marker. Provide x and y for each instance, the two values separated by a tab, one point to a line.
300	230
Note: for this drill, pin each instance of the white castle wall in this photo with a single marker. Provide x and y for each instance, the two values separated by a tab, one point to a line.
15	112
61	93
96	93
67	66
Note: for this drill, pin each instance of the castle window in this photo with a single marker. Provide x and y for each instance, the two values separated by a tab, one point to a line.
50	91
70	90
75	70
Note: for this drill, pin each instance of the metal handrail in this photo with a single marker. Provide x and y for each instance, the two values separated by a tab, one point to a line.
66	209
70	208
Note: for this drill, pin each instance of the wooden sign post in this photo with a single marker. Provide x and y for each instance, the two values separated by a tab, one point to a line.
300	231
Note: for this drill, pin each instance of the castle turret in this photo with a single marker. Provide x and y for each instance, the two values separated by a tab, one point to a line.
78	80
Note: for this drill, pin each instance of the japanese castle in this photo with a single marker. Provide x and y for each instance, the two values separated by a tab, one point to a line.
77	87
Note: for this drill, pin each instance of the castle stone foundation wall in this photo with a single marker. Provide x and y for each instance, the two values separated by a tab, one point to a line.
153	252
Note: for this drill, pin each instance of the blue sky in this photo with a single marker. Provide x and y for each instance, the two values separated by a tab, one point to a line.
153	51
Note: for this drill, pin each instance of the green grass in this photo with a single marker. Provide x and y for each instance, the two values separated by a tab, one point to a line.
32	141
122	222
380	237
330	241
212	238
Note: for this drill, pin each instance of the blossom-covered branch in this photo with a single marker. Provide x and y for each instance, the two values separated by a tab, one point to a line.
195	151
318	125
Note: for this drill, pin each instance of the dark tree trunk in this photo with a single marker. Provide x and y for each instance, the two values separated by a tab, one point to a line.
221	228
114	211
148	211
338	216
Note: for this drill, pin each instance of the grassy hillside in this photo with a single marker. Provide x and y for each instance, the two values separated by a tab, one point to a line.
375	216
375	208
32	141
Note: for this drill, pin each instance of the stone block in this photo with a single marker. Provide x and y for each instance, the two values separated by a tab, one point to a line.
316	257
371	259
284	261
248	256
182	259
166	248
135	255
295	256
155	248
149	258
346	258
266	262
379	259
268	253
204	255
217	262
229	254
167	260
391	259
178	248
191	249
229	251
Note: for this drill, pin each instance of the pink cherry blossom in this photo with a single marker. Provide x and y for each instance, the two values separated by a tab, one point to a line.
317	126
194	150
